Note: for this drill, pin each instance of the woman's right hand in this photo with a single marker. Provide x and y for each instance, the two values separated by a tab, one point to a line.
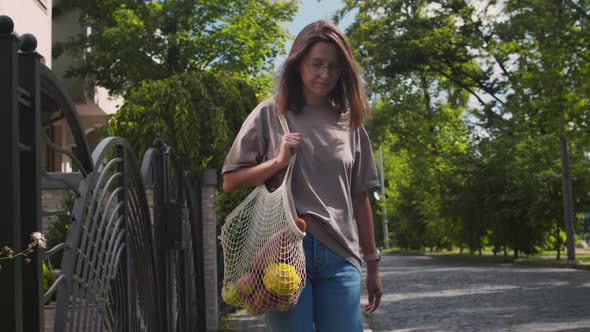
256	175
290	144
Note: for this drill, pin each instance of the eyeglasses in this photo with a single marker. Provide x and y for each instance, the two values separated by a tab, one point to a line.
317	68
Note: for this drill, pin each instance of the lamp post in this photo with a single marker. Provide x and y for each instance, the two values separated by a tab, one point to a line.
383	208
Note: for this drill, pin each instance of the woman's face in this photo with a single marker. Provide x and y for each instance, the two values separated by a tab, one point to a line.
320	70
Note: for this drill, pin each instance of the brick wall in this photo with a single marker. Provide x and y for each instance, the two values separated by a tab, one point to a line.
51	199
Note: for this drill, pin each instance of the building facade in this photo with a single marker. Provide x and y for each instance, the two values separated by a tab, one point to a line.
50	23
32	16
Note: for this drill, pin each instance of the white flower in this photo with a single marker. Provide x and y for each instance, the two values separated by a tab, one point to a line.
39	239
7	251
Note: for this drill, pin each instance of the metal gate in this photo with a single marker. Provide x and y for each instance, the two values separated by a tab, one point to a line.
126	266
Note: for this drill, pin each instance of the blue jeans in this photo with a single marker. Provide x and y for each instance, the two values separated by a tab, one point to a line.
330	299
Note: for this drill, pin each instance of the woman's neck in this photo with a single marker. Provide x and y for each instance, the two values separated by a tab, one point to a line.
316	101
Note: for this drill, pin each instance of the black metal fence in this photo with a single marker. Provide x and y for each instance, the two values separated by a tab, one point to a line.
125	266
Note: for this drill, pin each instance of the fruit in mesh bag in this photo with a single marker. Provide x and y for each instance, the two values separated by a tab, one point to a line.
281	279
246	284
284	303
301	224
278	247
272	250
260	301
230	295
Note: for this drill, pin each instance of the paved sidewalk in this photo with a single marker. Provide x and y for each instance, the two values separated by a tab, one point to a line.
242	321
447	294
457	293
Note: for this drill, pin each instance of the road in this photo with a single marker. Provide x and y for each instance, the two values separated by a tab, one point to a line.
429	293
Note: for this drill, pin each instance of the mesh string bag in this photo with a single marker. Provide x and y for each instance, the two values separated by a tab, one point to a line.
264	263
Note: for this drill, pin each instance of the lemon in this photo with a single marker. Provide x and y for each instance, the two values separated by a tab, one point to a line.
230	295
246	284
281	279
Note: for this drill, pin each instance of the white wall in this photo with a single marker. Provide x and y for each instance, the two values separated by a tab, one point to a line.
109	104
31	16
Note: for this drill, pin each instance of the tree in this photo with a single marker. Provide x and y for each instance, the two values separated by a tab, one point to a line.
525	70
405	51
198	114
131	41
547	42
190	70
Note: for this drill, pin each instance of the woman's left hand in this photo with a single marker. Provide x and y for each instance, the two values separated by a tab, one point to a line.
374	288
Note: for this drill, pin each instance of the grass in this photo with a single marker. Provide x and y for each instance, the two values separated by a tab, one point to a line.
548	256
582	257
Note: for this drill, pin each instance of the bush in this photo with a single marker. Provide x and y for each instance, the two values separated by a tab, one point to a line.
48	280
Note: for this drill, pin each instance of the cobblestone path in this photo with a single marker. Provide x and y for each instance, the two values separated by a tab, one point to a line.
429	293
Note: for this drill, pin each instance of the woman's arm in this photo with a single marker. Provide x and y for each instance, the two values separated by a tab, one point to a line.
254	176
364	222
251	176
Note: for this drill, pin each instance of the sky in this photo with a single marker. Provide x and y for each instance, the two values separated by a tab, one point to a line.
310	11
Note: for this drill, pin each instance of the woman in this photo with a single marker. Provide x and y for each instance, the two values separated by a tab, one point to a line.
321	95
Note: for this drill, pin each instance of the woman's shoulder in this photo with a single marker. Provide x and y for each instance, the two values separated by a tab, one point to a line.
265	107
261	116
262	110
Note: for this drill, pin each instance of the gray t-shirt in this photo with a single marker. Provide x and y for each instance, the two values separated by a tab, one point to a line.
333	163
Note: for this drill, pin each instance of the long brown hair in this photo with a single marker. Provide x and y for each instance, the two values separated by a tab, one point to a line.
348	92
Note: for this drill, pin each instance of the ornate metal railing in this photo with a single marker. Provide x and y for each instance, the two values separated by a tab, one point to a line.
125	267
20	175
109	264
178	237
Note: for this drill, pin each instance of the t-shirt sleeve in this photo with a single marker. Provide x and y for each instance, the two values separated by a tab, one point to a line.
248	148
364	171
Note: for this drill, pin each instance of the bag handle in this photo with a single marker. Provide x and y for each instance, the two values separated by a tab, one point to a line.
289	172
284	124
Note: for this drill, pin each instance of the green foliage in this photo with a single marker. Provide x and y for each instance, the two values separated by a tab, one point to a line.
471	108
132	41
48	279
417	115
224	203
197	113
545	44
190	71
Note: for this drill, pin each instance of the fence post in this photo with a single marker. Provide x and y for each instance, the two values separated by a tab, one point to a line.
208	188
30	180
129	297
159	229
196	217
11	314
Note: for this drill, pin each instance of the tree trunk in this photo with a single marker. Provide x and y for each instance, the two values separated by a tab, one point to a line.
568	208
